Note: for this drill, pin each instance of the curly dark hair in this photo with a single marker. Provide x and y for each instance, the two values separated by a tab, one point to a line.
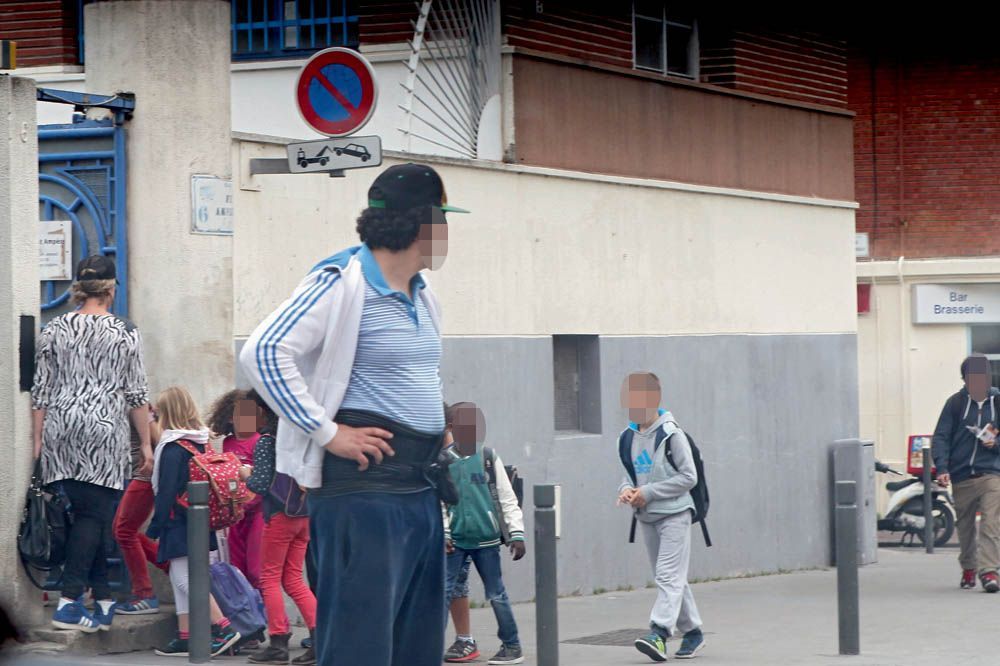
220	418
392	229
272	418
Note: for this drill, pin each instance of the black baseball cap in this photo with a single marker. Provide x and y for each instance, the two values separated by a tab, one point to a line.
406	186
96	267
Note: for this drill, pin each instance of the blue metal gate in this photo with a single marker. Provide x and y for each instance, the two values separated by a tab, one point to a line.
81	180
81	173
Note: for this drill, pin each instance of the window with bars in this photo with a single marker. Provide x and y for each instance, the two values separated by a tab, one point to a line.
664	40
282	28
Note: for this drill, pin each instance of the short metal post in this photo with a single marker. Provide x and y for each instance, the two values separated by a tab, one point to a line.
200	641
928	508
546	588
848	621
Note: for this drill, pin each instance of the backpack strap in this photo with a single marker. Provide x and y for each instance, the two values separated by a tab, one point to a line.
489	464
704	533
665	435
625	452
187	446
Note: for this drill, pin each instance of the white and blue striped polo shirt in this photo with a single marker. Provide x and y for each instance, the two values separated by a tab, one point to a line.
398	357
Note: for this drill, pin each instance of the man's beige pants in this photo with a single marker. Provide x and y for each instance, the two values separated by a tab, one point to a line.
980	494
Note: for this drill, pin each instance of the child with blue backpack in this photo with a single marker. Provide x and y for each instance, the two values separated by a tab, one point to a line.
660	473
284	541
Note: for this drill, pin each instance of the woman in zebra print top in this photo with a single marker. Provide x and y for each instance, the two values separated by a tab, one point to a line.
89	378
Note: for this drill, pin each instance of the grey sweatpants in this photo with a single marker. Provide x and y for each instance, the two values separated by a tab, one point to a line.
668	541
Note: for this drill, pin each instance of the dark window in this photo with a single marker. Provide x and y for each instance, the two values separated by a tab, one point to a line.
986	340
577	380
664	41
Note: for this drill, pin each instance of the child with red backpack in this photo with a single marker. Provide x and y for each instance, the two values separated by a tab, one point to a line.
240	433
285	540
184	438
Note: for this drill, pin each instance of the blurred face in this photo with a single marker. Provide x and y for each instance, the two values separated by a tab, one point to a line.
468	428
640	395
432	239
978	385
245	417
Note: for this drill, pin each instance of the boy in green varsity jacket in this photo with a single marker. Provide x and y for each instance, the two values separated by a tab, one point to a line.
486	516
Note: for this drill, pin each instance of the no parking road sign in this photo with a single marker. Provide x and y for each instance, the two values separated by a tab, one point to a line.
336	92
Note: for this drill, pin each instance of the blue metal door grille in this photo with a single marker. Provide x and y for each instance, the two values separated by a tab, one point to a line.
82	179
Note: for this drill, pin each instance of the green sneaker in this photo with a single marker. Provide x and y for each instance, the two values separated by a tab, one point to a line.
653	646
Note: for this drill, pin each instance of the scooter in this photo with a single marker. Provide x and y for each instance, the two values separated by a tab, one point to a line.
905	512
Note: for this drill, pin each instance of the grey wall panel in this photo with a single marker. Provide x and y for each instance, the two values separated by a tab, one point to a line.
762	408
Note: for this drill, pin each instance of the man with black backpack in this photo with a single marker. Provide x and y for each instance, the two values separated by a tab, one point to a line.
660	475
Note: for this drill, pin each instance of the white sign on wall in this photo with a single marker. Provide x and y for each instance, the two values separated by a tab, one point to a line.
211	205
956	303
55	250
861	245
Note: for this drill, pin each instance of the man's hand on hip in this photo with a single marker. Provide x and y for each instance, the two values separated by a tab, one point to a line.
361	444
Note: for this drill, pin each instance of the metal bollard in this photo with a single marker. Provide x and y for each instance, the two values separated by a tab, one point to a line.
200	641
546	588
848	621
928	507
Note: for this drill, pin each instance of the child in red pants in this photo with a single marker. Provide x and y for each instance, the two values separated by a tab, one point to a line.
244	537
135	508
286	537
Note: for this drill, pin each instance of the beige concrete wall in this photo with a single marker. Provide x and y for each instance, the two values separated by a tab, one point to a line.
906	371
180	283
19	290
547	252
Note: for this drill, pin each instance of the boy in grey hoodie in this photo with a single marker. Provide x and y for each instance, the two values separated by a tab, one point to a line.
659	493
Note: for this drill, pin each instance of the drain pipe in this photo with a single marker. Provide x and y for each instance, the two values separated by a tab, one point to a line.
904	345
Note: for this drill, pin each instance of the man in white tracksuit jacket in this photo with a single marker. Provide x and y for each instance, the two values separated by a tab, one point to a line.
351	365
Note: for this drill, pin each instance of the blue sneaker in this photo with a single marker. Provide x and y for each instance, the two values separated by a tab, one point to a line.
150	606
653	646
102	618
693	641
74	616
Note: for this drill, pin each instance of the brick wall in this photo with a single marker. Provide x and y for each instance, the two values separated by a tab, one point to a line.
386	21
927	151
45	31
598	32
793	64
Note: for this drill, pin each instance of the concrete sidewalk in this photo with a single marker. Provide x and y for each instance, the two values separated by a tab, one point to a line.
911	607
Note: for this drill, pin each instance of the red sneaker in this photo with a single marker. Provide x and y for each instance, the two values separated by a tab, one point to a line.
968	579
990	581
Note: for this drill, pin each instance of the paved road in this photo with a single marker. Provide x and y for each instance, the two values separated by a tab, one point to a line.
912	614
